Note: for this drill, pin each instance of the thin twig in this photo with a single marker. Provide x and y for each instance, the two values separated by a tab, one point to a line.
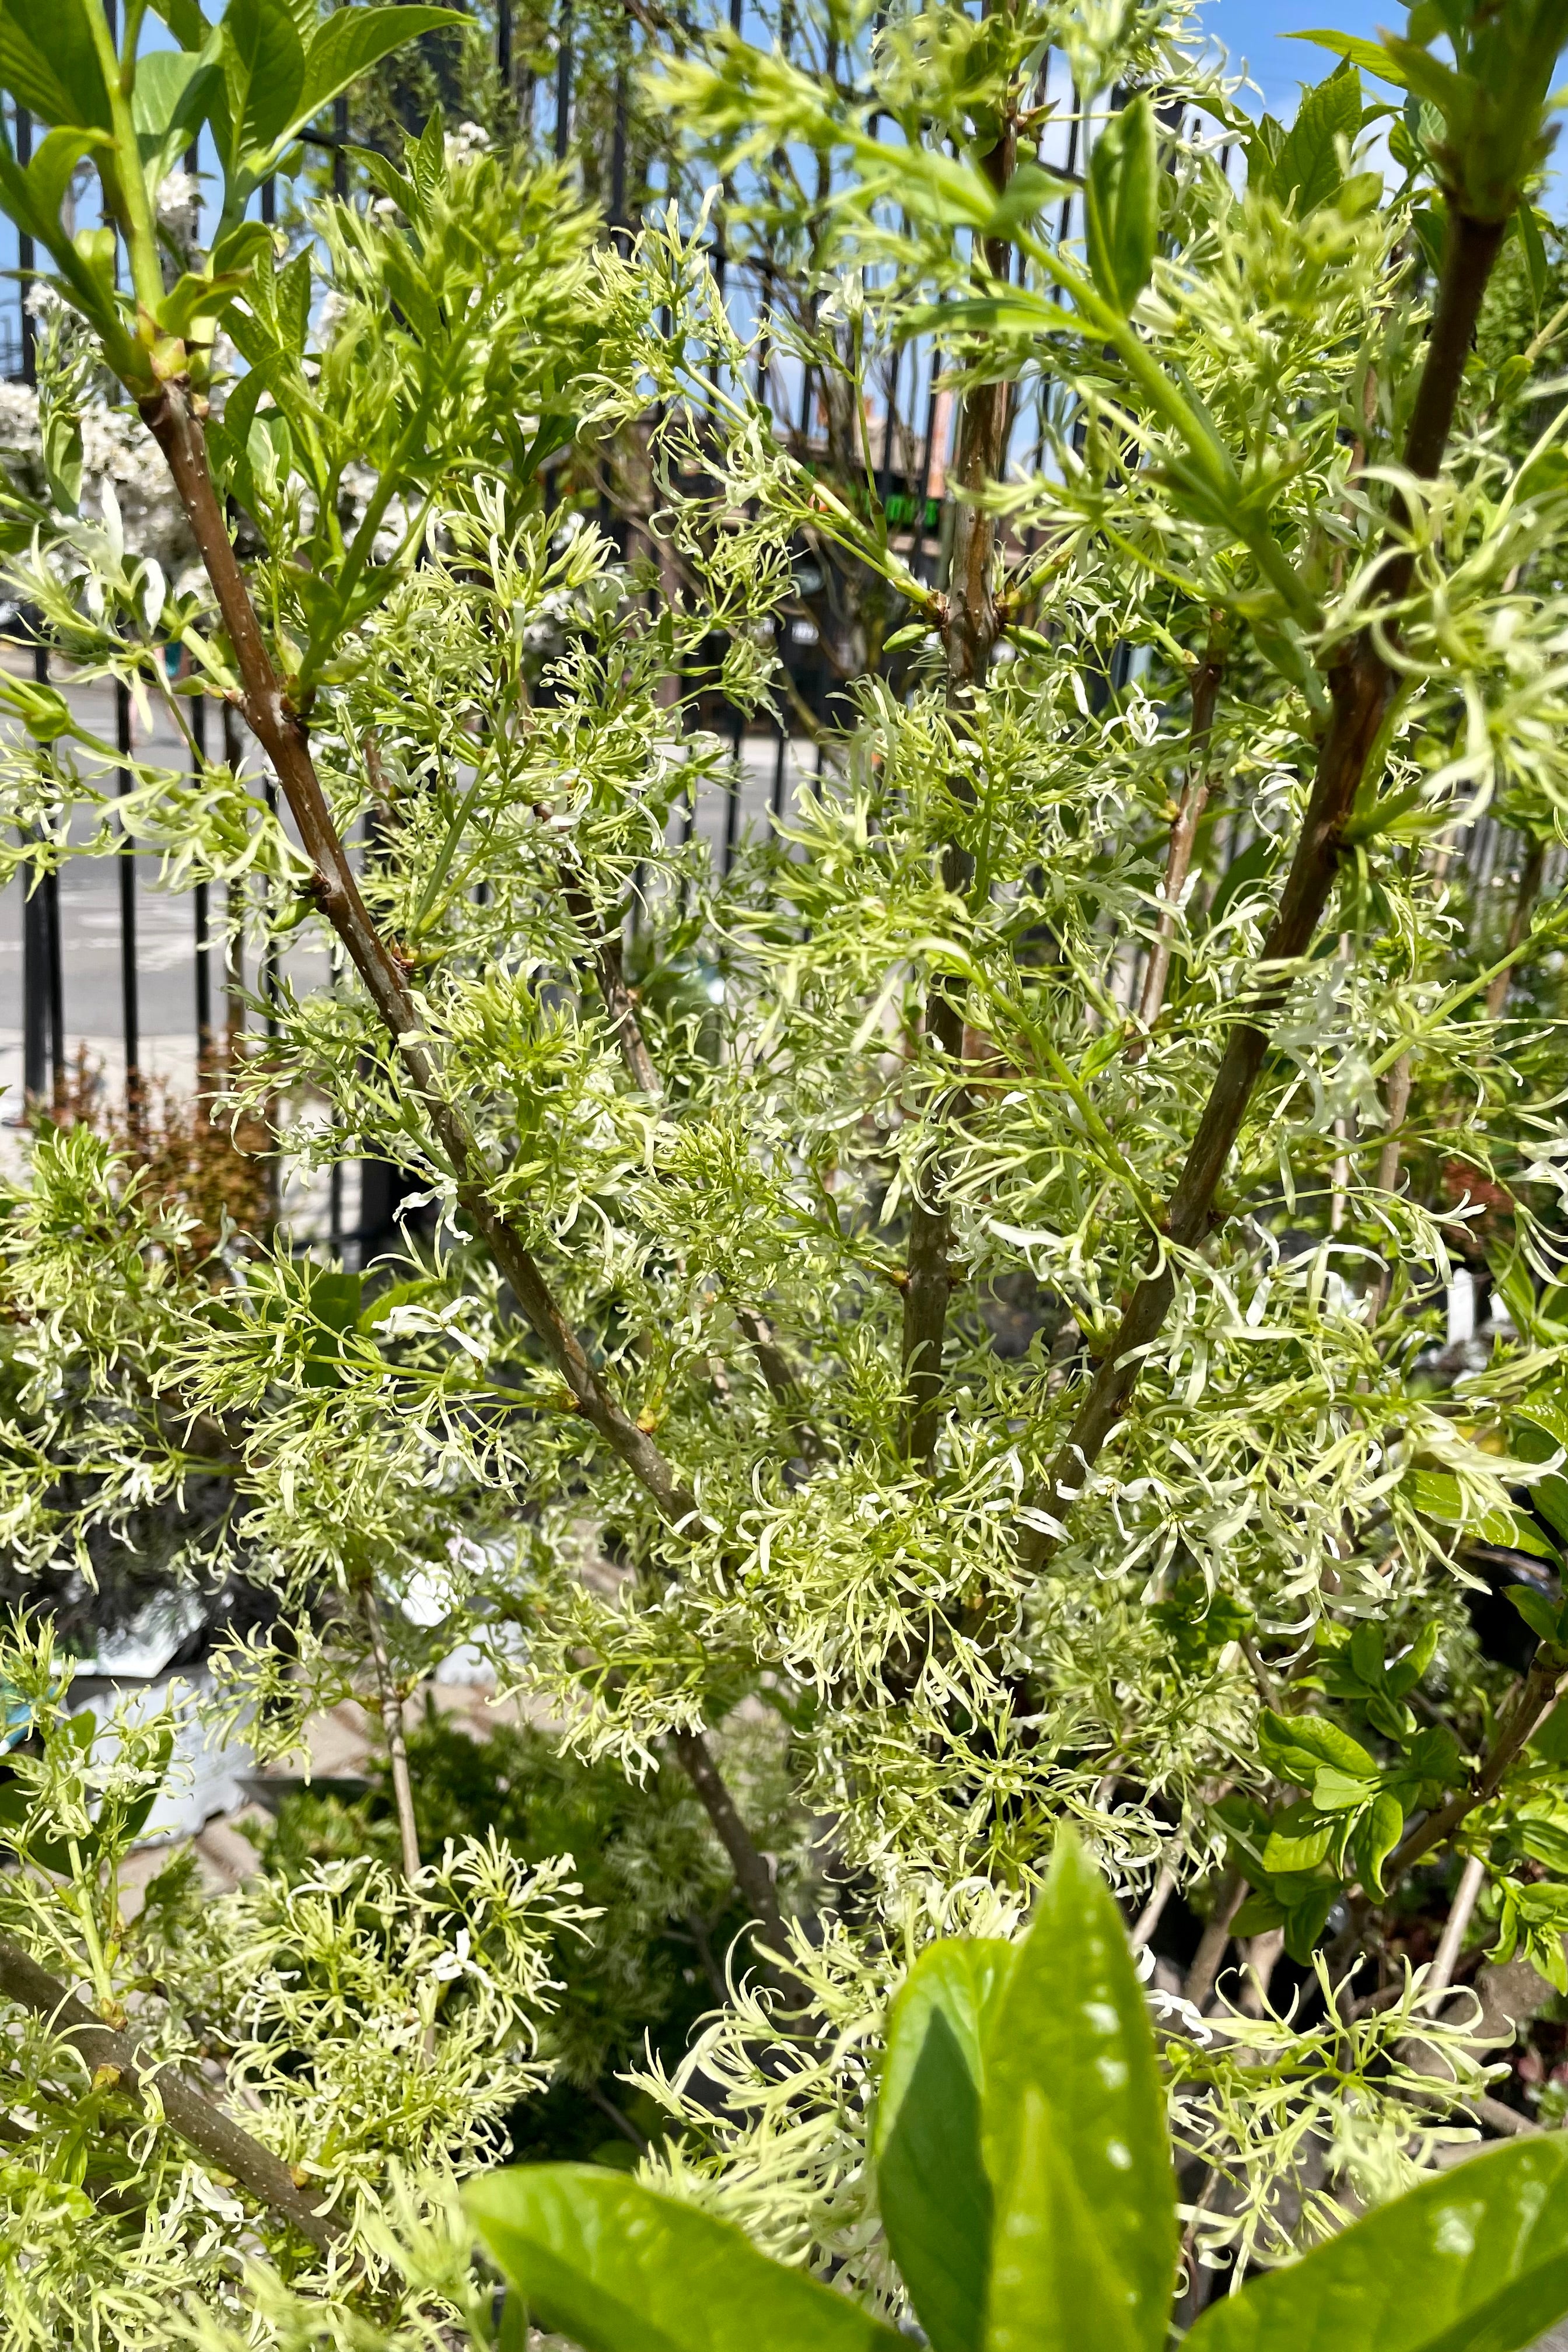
1262	1957
172	420
1206	681
1214	1940
1149	1918
215	2135
623	2123
390	1702
1361	682
1534	1702
1440	1975
1529	891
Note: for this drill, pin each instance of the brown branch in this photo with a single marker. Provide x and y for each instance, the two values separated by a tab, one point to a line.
390	1705
753	1875
1534	1702
969	631
1360	681
604	961
1214	1940
202	2124
1396	1102
1440	1975
1206	681
173	422
1529	891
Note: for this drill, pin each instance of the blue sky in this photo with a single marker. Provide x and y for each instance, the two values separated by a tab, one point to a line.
1256	29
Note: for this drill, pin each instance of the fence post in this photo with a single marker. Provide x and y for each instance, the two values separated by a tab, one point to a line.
233	911
25	258
564	85
35	994
204	972
129	997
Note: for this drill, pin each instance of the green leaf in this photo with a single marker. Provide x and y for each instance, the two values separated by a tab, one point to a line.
1307	165
1366	1653
1439	1494
1335	1792
237	248
1375	1838
931	2186
1389	1715
1260	1912
619	2269
169	105
1074	2111
1055	2282
1020	313
1407	1671
1475	2261
1298	1841
354	39
63	459
1295	1746
1539	1613
1305	1919
1370	56
264	67
53	167
379	169
1122	205
49	64
186	21
1535	263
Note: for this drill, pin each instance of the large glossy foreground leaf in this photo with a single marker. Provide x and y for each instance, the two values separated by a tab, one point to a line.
1023	2168
1474	2262
619	2269
1074	2135
932	2185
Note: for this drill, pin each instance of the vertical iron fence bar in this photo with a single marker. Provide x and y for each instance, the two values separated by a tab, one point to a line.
269	975
503	46
36	906
341	148
54	964
620	229
204	972
234	912
270	992
25	258
564	85
733	796
130	1006
890	432
35	991
40	961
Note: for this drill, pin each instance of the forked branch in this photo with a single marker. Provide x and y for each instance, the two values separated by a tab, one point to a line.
1360	680
177	430
199	2122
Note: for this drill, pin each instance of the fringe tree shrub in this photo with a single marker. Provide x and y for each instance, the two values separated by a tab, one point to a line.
1112	992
